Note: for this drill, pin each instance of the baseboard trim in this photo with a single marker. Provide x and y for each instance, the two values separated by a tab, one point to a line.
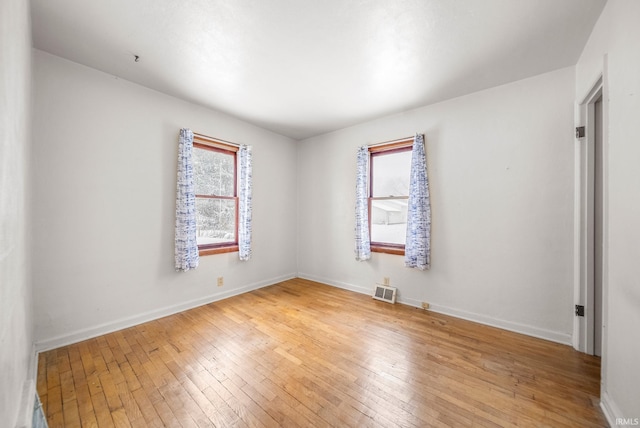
609	408
337	284
528	330
27	404
540	333
99	330
28	399
356	288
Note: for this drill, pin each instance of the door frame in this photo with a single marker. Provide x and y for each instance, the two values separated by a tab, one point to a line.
584	327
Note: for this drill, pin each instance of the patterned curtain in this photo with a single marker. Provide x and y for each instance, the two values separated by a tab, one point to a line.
244	192
417	253
186	251
363	245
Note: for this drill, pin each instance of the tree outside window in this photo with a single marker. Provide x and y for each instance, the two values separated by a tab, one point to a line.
215	180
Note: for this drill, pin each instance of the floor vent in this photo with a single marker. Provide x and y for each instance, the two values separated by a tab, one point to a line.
384	293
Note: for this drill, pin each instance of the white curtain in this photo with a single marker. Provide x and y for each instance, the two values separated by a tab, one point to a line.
244	194
417	253
363	244
186	247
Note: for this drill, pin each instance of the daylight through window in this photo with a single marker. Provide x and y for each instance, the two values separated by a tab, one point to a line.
215	180
388	196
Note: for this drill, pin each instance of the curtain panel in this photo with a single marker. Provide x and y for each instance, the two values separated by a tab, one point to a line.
362	244
244	193
417	253
186	247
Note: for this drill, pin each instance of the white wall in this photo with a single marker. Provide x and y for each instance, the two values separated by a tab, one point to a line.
16	351
500	167
104	168
613	48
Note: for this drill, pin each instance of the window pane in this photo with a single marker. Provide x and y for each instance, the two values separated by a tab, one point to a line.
213	172
215	221
391	174
389	221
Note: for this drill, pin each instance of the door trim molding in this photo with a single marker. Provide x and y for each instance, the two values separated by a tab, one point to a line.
583	338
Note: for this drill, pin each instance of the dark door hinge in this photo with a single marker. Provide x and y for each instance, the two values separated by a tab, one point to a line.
580	132
579	310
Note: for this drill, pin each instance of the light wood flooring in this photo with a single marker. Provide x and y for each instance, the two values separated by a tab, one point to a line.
301	353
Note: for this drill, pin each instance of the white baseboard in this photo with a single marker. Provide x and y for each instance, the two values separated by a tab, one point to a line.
553	336
99	330
27	403
609	408
338	284
88	333
356	288
540	333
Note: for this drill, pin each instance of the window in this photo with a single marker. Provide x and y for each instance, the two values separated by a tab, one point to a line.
215	182
389	169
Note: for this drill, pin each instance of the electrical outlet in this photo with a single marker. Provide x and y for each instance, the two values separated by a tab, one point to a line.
425	305
220	281
385	280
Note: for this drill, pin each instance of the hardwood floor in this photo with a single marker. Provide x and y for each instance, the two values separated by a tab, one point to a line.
301	353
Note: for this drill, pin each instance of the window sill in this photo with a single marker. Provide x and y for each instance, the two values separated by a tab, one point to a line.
217	250
387	250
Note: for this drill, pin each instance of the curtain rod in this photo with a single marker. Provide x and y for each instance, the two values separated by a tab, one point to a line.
392	141
218	140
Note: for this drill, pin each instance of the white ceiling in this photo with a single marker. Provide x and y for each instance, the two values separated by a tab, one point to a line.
306	67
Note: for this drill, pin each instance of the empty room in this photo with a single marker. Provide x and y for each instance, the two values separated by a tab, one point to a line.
324	214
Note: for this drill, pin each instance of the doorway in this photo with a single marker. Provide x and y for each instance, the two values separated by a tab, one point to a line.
598	214
591	220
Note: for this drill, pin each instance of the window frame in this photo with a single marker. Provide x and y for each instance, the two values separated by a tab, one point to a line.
382	149
203	142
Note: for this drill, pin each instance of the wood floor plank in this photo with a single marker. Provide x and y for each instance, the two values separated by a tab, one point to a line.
149	413
85	406
71	414
54	401
201	400
103	414
300	353
251	409
53	377
166	415
134	415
